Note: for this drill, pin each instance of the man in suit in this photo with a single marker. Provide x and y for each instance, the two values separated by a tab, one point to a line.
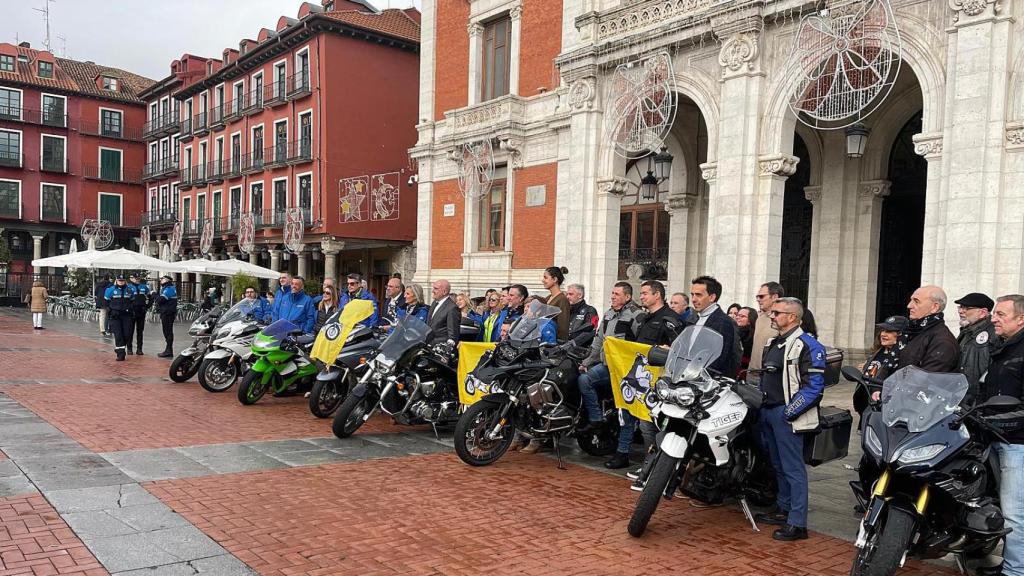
704	294
444	317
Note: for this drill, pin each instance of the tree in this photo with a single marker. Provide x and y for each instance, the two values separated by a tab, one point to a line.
240	281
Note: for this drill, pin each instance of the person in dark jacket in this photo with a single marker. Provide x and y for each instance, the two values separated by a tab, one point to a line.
583	317
552	279
931	346
1005	376
326	308
394	300
975	338
166	303
140	307
746	324
885	358
355	291
119	298
101	304
704	294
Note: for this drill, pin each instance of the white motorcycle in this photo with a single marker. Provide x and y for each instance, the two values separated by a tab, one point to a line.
707	443
231	346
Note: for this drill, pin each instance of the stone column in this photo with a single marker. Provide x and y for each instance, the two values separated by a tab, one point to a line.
601	256
476	31
766	235
254	257
37	250
331	248
865	243
275	259
678	208
303	258
516	14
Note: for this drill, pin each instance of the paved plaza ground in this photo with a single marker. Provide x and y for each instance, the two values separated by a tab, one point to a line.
110	468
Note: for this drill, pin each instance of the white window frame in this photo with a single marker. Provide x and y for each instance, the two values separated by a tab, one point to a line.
213	210
99	163
263	194
99	204
154	200
241	202
237	93
218	147
286	135
154	151
220	92
252	136
160	198
204	104
190	109
99	120
204	149
21	146
312	196
274	181
273	70
197	196
21	100
64	138
64	187
183	215
14	64
252	85
154	110
188	154
53	69
21	203
241	148
42	106
113	83
295	62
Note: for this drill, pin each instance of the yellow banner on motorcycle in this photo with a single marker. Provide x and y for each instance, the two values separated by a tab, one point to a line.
632	377
470	354
332	336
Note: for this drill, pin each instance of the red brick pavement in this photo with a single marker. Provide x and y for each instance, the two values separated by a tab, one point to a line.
435	515
35	541
113	417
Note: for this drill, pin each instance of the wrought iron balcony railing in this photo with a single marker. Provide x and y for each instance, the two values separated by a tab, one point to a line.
53	163
109	175
298	84
160	168
275	93
11	159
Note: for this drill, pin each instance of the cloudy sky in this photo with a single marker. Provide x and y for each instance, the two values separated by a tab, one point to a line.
143	37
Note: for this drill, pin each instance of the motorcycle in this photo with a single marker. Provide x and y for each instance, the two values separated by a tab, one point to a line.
228	353
282	359
928	481
186	363
408	379
342	349
708	445
530	388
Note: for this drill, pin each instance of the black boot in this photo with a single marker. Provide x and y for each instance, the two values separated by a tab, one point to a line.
130	351
138	350
167	353
618	461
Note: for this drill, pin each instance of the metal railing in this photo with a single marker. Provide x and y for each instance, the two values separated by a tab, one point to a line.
107	131
123	176
276	155
216	117
199	125
300	150
215	171
275	93
298	84
253	101
185	127
13	113
653	260
233	108
53	117
11	159
233	166
159	217
251	162
159	168
53	163
53	216
164	123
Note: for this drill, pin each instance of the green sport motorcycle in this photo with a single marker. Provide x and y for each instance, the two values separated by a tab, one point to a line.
280	358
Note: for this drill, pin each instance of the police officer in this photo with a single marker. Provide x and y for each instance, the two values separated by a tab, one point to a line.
141	302
976	336
119	299
166	303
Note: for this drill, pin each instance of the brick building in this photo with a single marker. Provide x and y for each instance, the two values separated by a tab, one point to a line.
317	114
70	149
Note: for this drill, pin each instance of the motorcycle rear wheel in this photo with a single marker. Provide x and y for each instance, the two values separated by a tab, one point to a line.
183	368
604	441
653	491
325	398
882	554
350	414
469	437
218	374
253	387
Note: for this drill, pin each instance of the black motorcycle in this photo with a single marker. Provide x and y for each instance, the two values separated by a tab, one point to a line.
334	382
531	389
928	482
186	364
408	379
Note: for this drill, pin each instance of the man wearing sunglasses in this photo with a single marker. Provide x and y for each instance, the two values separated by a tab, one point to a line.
764	330
354	291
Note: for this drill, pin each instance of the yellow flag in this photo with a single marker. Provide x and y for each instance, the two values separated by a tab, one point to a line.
331	338
469	356
632	378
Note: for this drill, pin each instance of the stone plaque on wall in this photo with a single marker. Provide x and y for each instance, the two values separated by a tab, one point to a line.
449	210
536	195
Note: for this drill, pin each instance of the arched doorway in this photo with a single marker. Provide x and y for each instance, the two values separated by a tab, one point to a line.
902	228
797	216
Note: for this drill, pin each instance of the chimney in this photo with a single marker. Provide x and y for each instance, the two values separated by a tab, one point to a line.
328	5
24	45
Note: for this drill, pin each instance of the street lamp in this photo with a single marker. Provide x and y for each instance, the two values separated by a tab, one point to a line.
659	168
856	140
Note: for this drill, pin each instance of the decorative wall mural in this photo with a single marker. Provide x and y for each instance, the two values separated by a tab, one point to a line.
385	194
641	105
246	233
144	240
294	228
353	205
177	233
206	236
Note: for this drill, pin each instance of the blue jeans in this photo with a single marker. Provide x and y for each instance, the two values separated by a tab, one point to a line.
1011	500
786	450
628	431
595	379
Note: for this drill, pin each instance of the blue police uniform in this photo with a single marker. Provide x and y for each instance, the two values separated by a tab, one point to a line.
119	301
140	306
166	303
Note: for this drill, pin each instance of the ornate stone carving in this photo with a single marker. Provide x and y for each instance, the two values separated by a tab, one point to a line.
972	7
928	145
681	202
612	186
490	113
514	147
650	13
332	246
475	29
1015	136
582	93
874	189
812	194
516	12
739	53
778	165
709	171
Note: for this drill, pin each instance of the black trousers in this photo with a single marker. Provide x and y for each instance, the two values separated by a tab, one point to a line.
167	323
121	326
138	326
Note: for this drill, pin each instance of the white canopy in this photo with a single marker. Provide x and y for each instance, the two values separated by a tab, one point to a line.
71	259
231	266
120	259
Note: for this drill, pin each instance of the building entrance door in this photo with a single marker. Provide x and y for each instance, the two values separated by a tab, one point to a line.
797	216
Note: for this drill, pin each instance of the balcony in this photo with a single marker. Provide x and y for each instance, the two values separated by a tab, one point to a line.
276	155
110	131
159	218
252	162
55	214
185	178
215	171
300	151
13	113
216	118
233	108
11	159
233	167
163	125
54	163
298	85
274	94
199	126
270	218
498	118
186	128
106	175
199	175
253	102
160	168
53	117
654	262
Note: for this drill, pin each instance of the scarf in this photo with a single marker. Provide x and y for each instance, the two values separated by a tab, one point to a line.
918	326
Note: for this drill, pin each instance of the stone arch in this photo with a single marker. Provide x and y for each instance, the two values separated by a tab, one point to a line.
885	126
1015	110
815	149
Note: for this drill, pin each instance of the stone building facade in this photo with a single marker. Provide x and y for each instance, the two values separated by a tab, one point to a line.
754	194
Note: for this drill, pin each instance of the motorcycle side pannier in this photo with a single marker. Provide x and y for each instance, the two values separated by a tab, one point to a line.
832	440
833	365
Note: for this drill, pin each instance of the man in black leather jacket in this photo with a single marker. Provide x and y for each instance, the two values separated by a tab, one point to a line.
932	346
583	317
976	336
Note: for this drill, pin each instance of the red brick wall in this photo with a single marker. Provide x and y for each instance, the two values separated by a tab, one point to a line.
541	43
451	66
447	232
533	231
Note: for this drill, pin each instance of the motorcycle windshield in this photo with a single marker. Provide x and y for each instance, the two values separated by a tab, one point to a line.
921	399
528	326
691	352
410	332
278	330
240	311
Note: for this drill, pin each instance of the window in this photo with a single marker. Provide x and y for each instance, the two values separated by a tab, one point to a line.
110	83
45	69
153	202
306	135
280	141
303	66
10	199
257	146
257	91
54	110
186	214
256	201
236	153
51	202
280	200
165	199
217	201
10	104
305	183
174	195
202	160
110	123
239	93
218	160
280	76
110	208
236	206
53	158
10	148
496	58
110	165
201	207
492	217
154	111
6	63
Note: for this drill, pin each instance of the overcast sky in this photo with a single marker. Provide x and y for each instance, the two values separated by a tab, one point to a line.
143	37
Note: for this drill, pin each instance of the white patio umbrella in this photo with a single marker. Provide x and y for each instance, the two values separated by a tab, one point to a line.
231	266
124	259
70	260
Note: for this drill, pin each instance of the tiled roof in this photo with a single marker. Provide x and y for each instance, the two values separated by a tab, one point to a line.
75	76
392	22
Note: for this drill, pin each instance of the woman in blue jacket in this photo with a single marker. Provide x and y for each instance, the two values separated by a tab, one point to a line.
413	304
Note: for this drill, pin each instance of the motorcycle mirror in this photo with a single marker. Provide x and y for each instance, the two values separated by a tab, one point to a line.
851	374
1002	402
657	356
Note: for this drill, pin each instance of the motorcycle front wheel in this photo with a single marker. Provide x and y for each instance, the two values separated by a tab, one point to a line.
253	387
654	489
183	368
471	435
325	398
883	552
605	440
218	374
351	415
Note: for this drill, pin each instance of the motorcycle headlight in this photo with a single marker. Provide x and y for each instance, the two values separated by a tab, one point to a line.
383	364
223	333
263	343
920	454
681	396
873	444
